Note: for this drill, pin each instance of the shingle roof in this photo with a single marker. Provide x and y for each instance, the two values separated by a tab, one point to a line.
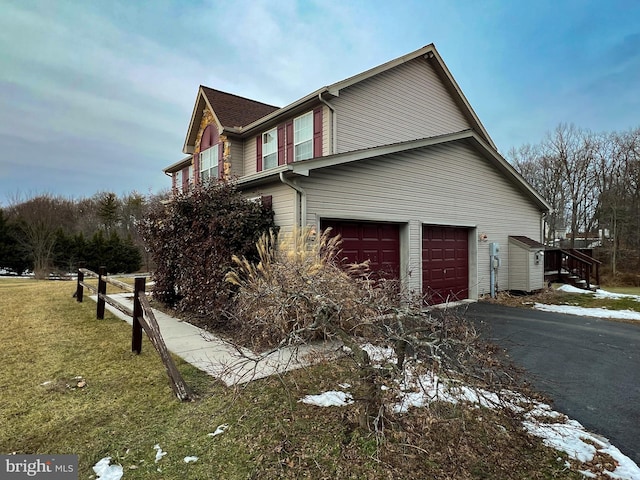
527	241
235	111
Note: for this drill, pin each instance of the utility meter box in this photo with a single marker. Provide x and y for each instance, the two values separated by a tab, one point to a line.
494	248
526	264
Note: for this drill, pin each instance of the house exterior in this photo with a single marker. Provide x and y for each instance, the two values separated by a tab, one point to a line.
394	159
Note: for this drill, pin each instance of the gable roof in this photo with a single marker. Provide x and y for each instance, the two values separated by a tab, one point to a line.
233	110
240	123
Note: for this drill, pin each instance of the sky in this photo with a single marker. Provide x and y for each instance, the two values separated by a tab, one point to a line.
97	95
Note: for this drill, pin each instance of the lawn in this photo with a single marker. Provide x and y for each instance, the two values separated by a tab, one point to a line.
70	385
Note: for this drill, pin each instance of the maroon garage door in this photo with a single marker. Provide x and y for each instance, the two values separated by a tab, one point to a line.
377	242
445	264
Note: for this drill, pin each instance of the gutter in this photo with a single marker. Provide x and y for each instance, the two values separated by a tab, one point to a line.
303	199
334	125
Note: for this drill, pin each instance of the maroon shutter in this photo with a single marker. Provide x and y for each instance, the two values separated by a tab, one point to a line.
289	143
205	140
185	179
196	168
317	132
221	160
173	181
267	201
259	153
281	160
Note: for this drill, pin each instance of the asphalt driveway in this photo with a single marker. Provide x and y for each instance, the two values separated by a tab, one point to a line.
589	367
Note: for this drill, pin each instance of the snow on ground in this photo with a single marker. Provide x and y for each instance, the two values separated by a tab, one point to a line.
106	471
219	431
592	312
555	429
329	399
159	452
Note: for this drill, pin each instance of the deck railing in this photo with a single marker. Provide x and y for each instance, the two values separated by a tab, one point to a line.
562	263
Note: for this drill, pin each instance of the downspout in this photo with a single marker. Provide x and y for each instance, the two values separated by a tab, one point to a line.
543	219
334	124
303	199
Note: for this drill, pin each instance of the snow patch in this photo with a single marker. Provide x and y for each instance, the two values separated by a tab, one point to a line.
589	312
190	459
159	452
329	399
106	471
219	431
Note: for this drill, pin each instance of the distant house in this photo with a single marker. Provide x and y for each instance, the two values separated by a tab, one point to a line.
394	159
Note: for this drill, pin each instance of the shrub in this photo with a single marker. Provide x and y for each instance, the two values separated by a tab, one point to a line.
299	292
192	238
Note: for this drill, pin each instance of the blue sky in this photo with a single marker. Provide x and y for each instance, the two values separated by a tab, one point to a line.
97	95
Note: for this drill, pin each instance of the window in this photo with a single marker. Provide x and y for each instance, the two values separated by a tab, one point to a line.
178	180
209	164
303	137
270	149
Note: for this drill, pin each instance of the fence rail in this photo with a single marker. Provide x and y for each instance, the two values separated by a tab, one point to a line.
142	317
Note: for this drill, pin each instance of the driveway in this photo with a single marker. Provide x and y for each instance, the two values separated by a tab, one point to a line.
589	367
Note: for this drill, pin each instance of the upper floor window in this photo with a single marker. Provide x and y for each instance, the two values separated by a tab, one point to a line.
177	180
303	137
270	149
209	164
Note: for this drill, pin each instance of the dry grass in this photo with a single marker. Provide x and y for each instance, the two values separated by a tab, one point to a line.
126	407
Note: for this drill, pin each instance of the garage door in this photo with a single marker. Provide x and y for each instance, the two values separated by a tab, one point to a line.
377	242
445	263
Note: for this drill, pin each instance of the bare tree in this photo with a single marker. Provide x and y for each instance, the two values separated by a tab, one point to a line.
38	220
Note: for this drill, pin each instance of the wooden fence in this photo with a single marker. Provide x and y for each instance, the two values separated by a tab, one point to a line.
142	316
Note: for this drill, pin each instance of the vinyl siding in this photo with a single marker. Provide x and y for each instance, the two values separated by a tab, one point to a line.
284	202
404	103
524	274
249	156
237	157
448	184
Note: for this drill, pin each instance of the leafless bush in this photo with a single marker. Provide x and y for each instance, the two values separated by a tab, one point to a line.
298	292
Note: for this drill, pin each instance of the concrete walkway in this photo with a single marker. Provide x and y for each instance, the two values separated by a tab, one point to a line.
222	360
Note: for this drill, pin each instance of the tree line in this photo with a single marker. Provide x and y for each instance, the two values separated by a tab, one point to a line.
592	181
47	234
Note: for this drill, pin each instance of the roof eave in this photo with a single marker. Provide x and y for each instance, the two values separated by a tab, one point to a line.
245	130
179	165
196	118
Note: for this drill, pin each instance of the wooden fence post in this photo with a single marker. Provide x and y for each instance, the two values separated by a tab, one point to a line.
79	289
102	290
136	333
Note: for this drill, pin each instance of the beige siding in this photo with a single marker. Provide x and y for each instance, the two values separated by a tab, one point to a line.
442	185
249	156
327	135
237	157
518	268
524	273
284	200
404	103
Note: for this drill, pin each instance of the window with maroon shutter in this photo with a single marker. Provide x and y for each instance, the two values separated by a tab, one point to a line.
209	164
259	153
303	137
317	132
